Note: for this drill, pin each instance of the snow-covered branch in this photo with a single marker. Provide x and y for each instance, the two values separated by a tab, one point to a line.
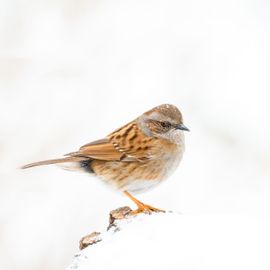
174	241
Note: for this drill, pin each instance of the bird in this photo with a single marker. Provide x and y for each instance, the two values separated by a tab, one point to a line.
134	158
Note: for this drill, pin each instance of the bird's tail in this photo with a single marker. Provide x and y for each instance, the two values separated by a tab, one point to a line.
54	161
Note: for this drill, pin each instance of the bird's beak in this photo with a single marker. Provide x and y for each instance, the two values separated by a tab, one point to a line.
182	127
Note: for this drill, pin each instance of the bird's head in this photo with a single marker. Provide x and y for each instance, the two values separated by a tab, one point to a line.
164	121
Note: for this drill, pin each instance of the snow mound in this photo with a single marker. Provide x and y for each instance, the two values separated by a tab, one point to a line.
174	241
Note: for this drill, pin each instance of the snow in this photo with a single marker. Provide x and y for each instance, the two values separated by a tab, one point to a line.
175	241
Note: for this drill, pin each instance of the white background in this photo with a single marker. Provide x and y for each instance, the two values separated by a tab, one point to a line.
73	71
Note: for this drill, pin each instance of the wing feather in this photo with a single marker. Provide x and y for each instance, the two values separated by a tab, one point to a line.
102	149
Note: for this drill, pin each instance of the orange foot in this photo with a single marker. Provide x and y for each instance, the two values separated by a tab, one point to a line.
146	209
142	208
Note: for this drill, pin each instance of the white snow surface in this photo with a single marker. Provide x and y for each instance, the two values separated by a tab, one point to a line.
173	241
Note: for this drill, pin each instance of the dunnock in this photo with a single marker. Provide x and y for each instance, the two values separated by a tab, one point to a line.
135	157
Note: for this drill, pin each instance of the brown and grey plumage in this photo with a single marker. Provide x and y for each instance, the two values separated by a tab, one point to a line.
135	157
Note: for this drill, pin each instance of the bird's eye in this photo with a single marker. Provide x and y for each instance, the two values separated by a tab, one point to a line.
165	124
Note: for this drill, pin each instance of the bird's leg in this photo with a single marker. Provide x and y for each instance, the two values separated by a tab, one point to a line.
142	208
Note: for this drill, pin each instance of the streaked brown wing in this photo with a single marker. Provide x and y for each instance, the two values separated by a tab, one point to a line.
131	141
126	144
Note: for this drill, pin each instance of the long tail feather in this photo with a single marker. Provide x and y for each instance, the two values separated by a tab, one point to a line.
53	161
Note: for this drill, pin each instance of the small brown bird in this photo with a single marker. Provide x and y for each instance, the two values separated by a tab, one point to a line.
135	157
